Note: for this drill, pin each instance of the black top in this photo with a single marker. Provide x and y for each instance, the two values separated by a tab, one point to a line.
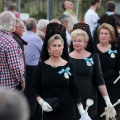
110	61
88	75
51	82
110	64
19	40
21	43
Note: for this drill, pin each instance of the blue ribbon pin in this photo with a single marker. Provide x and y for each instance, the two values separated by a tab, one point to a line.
65	70
112	51
89	59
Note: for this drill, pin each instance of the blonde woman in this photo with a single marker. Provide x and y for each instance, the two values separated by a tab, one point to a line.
88	72
110	62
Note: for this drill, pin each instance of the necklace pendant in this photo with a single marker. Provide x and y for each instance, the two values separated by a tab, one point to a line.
88	63
112	55
66	75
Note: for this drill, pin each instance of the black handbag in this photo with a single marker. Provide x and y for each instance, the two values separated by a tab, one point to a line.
53	102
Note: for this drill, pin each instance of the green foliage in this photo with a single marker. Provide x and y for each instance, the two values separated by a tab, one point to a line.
38	8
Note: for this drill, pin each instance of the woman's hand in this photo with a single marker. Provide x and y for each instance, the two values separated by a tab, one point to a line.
83	113
85	116
110	111
45	106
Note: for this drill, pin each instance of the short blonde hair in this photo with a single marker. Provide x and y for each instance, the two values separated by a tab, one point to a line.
110	28
55	37
80	32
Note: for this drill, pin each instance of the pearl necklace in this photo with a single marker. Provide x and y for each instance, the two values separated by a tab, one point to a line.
105	48
54	65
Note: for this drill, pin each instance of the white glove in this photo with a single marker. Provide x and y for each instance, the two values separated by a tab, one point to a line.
83	113
110	111
45	106
107	101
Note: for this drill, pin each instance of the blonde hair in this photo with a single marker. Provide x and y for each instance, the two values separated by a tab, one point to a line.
110	28
55	37
80	32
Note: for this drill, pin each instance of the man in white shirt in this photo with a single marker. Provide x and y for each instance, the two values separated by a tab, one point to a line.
91	17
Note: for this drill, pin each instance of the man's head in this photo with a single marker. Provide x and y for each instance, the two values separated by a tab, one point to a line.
7	21
93	2
42	25
13	106
31	25
68	5
12	7
111	6
64	20
20	27
96	3
55	21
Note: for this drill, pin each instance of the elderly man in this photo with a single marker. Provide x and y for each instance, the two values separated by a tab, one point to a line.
11	57
17	34
41	28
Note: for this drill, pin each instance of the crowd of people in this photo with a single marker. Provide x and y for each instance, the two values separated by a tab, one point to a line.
49	69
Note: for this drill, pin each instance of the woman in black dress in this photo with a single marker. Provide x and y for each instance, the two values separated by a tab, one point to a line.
110	62
54	78
88	72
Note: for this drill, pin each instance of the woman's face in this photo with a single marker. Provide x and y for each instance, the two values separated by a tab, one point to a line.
104	36
55	48
79	42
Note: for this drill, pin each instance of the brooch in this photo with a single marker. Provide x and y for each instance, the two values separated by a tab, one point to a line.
66	72
112	53
89	61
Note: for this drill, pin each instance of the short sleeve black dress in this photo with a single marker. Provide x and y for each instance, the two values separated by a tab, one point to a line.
110	65
88	77
57	82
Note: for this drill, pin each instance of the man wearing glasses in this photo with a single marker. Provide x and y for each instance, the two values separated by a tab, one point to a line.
17	34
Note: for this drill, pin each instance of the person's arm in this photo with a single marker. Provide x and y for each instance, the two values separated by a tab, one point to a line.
36	89
73	87
83	113
22	86
36	86
100	82
103	91
45	106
